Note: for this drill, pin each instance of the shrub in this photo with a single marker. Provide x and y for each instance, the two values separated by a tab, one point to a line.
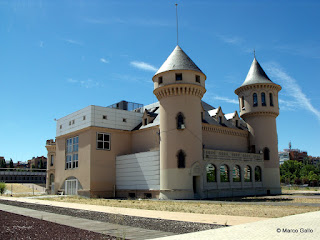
2	187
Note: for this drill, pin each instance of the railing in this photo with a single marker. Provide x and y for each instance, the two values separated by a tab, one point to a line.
231	156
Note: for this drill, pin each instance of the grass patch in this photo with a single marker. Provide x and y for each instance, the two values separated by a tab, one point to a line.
195	207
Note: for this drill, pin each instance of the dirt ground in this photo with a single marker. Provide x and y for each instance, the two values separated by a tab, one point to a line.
14	226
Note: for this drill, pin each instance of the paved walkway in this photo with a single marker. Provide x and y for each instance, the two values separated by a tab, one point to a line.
302	226
90	225
177	216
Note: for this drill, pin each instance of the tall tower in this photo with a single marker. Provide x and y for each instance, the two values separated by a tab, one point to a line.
258	97
179	86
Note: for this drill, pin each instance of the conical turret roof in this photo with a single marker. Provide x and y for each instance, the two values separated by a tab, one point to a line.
256	75
178	60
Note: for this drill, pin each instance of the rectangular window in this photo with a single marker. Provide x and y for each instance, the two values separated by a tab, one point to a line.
51	160
178	76
84	117
124	120
60	126
73	121
72	147
197	78
160	81
145	121
103	141
104	117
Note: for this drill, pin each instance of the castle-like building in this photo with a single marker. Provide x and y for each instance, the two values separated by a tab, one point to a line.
177	148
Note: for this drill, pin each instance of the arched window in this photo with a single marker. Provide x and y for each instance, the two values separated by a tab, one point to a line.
181	159
255	100
247	174
224	173
263	99
242	101
266	154
211	173
257	174
236	174
271	99
180	121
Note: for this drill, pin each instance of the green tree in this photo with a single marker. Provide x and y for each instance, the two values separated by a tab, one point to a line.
2	187
11	163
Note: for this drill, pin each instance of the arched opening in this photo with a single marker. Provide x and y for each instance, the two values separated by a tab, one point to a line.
51	179
236	174
247	174
257	174
71	186
181	159
180	121
266	154
224	173
263	99
211	173
242	102
255	100
271	99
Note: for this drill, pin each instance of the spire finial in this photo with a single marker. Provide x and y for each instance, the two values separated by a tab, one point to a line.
177	23
254	53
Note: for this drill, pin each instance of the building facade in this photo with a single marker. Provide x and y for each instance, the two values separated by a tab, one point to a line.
177	148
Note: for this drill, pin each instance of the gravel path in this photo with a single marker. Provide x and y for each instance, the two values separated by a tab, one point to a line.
14	226
146	223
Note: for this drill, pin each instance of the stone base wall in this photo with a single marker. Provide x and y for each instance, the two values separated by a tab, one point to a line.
143	194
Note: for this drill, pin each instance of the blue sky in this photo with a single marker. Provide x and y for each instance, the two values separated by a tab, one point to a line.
57	57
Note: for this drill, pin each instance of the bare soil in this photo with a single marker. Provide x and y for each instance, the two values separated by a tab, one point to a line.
14	226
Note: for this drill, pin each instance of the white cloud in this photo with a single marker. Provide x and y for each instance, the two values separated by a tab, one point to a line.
225	99
74	42
143	66
104	60
71	80
292	88
234	40
89	83
41	44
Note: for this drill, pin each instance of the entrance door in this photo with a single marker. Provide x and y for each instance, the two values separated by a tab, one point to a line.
71	187
196	185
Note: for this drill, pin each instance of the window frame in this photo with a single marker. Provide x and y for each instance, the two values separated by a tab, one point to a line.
227	176
181	157
255	174
180	121
271	99
211	172
72	155
178	75
103	141
234	175
263	99
255	99
198	79
247	171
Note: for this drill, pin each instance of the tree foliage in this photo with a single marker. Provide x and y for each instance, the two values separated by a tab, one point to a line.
295	172
2	187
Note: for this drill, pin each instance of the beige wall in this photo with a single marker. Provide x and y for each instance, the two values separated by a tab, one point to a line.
82	173
102	166
145	140
219	141
187	77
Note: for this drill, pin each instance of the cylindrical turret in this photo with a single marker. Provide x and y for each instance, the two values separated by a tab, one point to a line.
179	87
258	99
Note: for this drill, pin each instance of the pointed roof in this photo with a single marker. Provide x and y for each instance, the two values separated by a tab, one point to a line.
178	60
256	75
